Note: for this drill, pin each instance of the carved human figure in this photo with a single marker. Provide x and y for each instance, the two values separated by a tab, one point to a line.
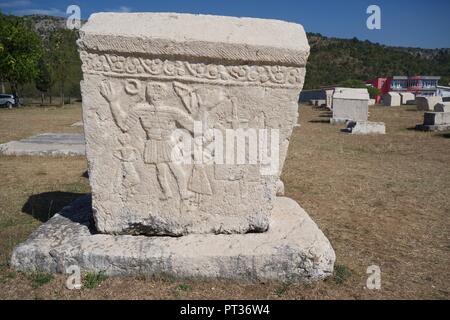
127	154
159	122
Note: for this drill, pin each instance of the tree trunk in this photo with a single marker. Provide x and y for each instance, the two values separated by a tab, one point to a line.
50	98
3	85
62	95
42	98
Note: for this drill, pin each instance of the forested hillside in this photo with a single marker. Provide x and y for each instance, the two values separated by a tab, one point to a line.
333	61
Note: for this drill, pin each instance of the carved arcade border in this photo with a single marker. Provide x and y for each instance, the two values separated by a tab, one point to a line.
121	66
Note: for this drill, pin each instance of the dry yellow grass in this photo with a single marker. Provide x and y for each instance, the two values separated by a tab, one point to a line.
381	200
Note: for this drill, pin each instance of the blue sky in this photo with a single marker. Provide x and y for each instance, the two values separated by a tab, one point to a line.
415	23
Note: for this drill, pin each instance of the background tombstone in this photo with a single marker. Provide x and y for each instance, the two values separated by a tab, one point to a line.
350	104
392	99
427	103
407	98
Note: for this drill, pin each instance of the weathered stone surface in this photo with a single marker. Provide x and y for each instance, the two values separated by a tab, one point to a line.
350	104
407	97
46	144
392	99
329	98
427	103
146	75
293	249
435	121
365	127
442	107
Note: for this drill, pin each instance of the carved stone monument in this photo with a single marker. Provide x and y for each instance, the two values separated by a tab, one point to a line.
142	82
187	121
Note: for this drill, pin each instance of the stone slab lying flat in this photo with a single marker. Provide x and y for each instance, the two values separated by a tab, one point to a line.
53	144
293	249
433	127
365	127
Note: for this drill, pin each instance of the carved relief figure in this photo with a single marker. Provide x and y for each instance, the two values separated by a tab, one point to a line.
158	122
128	177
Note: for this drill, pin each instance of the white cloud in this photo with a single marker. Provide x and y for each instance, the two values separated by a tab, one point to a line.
46	12
124	9
119	9
15	4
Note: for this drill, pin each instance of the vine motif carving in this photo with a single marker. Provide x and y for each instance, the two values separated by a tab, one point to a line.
146	67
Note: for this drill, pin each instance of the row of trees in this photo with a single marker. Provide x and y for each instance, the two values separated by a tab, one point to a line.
26	57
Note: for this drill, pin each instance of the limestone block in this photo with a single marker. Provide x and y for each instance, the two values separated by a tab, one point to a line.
365	127
392	99
350	104
46	144
148	76
427	103
293	249
442	107
407	97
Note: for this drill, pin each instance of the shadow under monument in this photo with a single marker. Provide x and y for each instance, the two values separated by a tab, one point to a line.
45	205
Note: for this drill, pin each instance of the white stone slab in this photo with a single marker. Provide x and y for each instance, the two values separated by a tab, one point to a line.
365	127
46	144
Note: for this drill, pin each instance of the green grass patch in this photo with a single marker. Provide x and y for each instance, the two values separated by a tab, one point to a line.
38	279
282	289
93	279
341	274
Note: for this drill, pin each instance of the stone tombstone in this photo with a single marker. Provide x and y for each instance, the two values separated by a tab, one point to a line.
329	98
427	103
442	107
407	98
148	77
435	121
350	104
392	99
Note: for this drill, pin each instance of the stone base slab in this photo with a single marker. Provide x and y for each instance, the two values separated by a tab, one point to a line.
365	127
293	249
439	127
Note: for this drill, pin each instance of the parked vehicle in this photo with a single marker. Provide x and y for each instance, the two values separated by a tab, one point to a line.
7	100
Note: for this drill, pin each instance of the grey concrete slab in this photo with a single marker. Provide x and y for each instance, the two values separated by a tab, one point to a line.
54	144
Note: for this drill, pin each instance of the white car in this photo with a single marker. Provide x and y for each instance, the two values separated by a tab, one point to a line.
7	100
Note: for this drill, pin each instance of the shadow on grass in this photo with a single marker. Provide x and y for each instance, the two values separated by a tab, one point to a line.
44	205
319	121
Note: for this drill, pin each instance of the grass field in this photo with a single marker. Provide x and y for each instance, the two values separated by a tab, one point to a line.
381	200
